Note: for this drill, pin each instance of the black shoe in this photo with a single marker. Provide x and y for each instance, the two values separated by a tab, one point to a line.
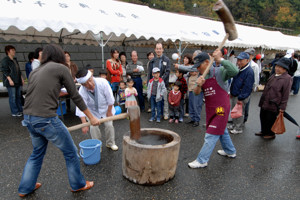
195	124
259	134
190	122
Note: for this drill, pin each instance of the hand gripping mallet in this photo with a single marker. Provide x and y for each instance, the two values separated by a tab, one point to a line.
229	25
134	117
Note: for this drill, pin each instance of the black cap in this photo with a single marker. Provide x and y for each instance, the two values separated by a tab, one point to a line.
200	58
284	62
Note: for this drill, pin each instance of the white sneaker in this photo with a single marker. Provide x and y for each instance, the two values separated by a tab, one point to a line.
223	153
230	127
113	147
196	164
234	131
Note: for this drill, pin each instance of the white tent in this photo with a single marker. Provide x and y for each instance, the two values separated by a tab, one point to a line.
81	21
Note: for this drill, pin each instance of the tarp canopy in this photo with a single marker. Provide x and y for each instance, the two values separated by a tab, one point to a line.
81	21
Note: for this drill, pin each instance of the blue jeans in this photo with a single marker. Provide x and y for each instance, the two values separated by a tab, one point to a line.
181	111
41	131
195	106
210	143
157	106
295	86
15	103
115	86
138	85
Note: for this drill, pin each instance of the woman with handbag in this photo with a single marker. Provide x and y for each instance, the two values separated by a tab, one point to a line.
276	92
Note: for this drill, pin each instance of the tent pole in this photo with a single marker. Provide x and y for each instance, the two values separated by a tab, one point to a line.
102	48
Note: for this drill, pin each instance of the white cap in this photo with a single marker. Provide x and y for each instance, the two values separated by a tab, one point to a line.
289	53
155	69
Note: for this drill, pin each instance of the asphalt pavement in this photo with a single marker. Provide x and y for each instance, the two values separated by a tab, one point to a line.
263	169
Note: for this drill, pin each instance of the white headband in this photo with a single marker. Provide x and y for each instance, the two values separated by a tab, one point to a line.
84	79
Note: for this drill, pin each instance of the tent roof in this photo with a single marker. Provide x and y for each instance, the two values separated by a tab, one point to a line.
80	21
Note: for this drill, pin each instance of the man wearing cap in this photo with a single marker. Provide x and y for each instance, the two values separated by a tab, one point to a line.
98	96
254	67
274	97
240	90
293	64
134	69
256	71
217	106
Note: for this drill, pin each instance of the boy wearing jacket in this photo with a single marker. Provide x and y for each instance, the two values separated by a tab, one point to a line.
155	92
174	102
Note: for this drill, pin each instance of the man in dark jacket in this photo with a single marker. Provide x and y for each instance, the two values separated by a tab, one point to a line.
13	81
163	63
240	90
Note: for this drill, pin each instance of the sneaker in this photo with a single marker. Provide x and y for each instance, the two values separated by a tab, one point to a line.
180	120
230	127
234	131
195	124
171	121
190	122
186	115
195	164
223	153
176	121
158	120
149	110
292	93
151	119
166	117
113	147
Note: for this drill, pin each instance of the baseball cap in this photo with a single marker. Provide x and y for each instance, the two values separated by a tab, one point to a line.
155	69
200	58
243	55
289	53
250	51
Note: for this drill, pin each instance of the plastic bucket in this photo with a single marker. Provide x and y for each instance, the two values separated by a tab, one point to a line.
90	151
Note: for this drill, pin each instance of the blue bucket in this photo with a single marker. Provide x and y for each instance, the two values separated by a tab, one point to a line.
90	151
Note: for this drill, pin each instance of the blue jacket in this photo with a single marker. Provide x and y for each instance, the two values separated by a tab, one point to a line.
242	83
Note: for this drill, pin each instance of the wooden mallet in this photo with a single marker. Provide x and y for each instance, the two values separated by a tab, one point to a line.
134	117
231	33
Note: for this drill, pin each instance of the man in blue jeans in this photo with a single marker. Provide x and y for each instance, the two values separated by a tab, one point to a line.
13	81
217	106
42	122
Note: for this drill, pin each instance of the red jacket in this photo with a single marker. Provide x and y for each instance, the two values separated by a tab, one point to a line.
115	70
175	97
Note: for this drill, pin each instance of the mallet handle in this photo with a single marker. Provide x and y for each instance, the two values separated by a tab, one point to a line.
212	58
115	117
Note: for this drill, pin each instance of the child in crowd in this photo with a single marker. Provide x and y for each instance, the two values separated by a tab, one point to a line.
183	90
174	102
90	68
103	74
130	93
121	97
195	101
155	91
